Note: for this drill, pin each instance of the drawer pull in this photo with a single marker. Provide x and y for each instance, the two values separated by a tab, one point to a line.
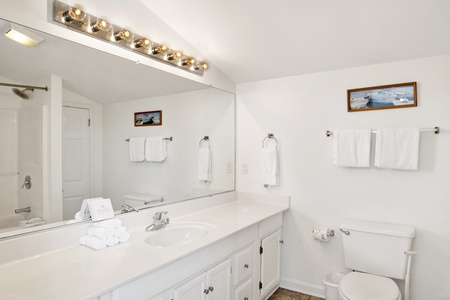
246	298
211	288
206	291
246	266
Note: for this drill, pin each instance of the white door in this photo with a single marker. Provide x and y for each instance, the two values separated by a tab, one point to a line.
75	156
219	281
270	262
194	289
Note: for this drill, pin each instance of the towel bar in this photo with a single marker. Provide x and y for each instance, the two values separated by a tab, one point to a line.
168	139
435	130
204	139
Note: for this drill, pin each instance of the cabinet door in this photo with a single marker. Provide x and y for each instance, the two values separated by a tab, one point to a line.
195	289
219	281
270	262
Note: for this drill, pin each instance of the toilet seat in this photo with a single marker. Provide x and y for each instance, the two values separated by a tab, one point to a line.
359	286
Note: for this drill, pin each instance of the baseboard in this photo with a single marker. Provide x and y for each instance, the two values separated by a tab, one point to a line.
304	288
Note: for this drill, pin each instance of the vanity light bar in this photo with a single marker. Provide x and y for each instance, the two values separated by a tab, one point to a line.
78	20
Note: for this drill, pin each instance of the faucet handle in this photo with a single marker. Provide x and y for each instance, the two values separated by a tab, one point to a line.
159	214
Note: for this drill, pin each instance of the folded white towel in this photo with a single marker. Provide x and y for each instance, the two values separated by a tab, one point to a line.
270	166
351	147
112	241
118	232
137	149
92	242
101	233
110	223
204	164
125	237
397	148
155	149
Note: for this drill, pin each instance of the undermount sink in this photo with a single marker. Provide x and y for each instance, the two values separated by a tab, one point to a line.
179	234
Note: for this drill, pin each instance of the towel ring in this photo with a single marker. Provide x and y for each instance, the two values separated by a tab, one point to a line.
270	136
204	139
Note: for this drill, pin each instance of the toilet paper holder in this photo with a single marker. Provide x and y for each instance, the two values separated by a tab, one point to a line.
322	233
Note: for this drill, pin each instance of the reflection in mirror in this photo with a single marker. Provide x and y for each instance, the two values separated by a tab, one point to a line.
73	138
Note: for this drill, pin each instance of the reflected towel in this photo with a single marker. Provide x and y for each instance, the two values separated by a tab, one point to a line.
270	166
397	148
351	148
155	149
137	149
204	164
111	223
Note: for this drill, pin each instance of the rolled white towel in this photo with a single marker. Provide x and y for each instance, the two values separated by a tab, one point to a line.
119	231
101	233
111	241
111	223
92	242
124	237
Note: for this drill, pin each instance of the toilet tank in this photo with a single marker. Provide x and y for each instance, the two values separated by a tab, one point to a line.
377	248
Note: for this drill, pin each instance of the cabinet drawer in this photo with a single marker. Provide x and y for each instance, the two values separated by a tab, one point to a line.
270	224
245	291
243	265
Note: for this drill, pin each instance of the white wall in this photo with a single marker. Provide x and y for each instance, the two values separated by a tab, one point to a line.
187	118
299	110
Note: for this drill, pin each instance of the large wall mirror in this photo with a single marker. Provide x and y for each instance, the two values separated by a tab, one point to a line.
76	135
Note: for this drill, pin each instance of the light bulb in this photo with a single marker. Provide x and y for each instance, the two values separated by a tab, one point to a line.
188	61
174	55
99	25
201	66
140	43
158	49
73	14
122	34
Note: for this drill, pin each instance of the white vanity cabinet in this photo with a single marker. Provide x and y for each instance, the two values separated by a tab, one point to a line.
270	255
214	284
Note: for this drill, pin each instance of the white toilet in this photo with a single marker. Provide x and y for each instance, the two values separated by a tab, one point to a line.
376	252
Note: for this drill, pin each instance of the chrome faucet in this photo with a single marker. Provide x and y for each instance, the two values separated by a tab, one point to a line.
22	210
159	221
128	208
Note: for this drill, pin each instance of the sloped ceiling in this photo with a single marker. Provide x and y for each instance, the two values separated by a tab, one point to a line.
253	40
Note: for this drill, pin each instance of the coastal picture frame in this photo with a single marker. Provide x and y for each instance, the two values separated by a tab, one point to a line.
398	95
148	118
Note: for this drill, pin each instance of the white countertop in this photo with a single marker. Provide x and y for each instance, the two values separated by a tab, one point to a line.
79	272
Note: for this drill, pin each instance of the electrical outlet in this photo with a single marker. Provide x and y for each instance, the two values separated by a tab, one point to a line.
229	168
244	168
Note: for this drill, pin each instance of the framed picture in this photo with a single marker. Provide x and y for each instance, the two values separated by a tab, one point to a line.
382	97
148	118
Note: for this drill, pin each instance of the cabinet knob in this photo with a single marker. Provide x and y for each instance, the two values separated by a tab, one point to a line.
281	242
206	291
246	266
211	288
246	298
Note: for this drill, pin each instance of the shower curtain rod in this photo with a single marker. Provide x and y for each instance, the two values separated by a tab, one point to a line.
24	86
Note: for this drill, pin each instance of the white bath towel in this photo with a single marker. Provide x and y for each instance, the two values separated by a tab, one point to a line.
125	237
270	165
204	164
155	149
351	148
92	242
397	148
119	231
137	149
101	233
112	241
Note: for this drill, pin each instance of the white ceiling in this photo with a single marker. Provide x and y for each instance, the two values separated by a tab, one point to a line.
253	40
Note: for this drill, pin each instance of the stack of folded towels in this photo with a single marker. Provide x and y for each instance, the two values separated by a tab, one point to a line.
104	234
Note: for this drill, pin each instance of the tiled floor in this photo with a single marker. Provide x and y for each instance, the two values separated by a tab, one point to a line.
283	294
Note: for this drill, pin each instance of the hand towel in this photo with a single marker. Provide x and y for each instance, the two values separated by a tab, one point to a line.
204	164
125	237
92	242
397	148
137	149
351	148
111	223
155	149
101	233
118	232
270	165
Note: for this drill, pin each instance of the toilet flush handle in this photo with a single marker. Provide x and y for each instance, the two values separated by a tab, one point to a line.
345	231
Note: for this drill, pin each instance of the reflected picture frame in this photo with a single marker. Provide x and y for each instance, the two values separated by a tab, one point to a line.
400	95
148	118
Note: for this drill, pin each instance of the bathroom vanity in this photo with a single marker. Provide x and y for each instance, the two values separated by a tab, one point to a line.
233	253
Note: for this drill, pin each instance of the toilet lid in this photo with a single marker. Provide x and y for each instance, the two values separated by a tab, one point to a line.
357	286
